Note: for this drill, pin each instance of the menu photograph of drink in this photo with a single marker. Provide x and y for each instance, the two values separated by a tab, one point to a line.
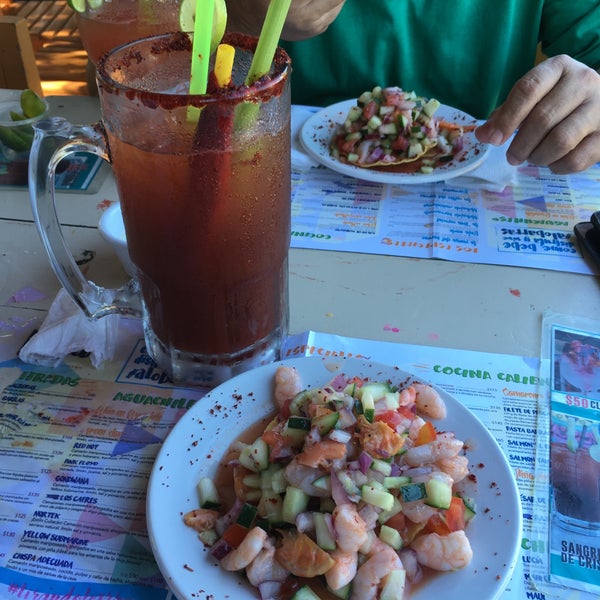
571	453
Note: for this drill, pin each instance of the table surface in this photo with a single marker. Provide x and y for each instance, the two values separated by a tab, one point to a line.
416	301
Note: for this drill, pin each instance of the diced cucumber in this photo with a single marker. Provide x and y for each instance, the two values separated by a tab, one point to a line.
247	515
381	466
323	533
430	107
393	585
368	405
374	122
364	98
255	456
350	389
439	493
412	491
377	497
295	435
352	157
207	493
470	511
377	389
426	169
388	129
299	403
347	483
252	480
326	423
295	501
266	476
270	506
279	482
354	113
299	423
385	515
391	537
394	483
414	149
209	537
355	135
392	400
323	483
304	593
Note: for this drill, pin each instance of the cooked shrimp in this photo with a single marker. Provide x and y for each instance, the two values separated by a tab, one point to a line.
370	573
302	477
418	511
287	384
429	402
264	567
350	529
201	519
443	553
457	467
378	438
440	448
240	557
321	454
407	396
344	569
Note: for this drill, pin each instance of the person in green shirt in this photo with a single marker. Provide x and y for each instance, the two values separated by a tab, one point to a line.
476	55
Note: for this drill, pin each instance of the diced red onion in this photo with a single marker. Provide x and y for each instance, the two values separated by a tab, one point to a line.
270	590
305	522
365	462
346	417
339	435
338	383
338	493
221	549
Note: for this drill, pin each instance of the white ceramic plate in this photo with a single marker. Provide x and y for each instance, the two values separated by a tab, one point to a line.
198	441
317	131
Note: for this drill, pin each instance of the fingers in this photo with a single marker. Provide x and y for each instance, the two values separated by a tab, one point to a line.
556	110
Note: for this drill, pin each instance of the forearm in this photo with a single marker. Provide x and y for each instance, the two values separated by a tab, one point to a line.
306	18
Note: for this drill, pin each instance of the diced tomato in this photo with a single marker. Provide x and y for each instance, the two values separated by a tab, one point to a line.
426	434
390	417
371	108
347	146
406	412
400	143
455	515
436	524
235	534
397	522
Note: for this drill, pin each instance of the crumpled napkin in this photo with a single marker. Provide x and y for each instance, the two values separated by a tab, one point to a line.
66	329
494	174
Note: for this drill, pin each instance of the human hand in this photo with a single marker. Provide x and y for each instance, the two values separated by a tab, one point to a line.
556	109
305	18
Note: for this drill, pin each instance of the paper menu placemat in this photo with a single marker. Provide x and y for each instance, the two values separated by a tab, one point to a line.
529	223
77	446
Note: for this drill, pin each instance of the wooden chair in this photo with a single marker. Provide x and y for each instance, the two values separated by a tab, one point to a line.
18	69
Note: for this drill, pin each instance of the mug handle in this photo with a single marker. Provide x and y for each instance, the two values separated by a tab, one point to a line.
55	139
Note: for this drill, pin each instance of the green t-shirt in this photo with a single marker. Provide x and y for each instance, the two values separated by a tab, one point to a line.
466	53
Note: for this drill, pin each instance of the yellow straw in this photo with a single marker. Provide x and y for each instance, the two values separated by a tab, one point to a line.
224	64
201	46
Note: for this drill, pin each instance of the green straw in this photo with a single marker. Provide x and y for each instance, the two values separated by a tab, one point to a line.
201	46
268	40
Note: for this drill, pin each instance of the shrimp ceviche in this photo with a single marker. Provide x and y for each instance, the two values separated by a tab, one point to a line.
350	492
389	126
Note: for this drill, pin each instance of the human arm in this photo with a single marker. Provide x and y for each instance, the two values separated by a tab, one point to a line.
555	109
305	19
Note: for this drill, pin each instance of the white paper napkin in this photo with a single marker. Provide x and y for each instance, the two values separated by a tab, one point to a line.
494	174
66	329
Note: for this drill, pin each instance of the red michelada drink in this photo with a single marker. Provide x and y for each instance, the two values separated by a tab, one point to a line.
205	189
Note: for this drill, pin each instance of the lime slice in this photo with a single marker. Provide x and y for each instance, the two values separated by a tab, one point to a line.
77	5
80	5
31	104
187	14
